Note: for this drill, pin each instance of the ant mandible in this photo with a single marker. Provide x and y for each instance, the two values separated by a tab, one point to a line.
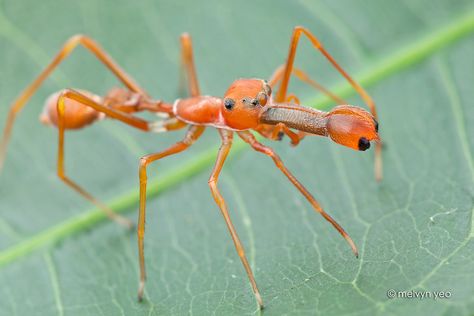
247	105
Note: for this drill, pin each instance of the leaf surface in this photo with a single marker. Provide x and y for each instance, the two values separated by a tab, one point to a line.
414	230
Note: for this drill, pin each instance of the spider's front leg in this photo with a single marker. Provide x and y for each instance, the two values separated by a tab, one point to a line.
226	137
194	132
250	139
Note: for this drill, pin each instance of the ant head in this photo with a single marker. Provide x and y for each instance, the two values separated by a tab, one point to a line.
244	102
352	126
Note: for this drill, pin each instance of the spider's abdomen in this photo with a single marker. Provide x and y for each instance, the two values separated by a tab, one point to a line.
76	115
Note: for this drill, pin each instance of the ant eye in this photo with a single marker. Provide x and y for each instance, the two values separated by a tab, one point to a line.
229	103
262	98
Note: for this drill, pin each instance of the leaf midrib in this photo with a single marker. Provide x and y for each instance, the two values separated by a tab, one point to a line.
405	57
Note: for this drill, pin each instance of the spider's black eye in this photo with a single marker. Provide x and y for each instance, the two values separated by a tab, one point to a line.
268	89
250	102
262	98
229	103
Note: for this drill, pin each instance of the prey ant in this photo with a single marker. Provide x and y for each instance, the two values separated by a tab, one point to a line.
248	104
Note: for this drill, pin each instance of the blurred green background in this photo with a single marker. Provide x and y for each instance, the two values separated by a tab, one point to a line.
414	230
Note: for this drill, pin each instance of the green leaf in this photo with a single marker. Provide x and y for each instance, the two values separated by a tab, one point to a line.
58	255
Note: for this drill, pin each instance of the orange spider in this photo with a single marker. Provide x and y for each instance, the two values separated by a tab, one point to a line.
248	104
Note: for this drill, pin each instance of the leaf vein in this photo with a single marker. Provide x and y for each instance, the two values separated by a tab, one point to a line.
54	282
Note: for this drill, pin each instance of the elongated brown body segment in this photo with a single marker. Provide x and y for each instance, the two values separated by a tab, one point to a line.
303	119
